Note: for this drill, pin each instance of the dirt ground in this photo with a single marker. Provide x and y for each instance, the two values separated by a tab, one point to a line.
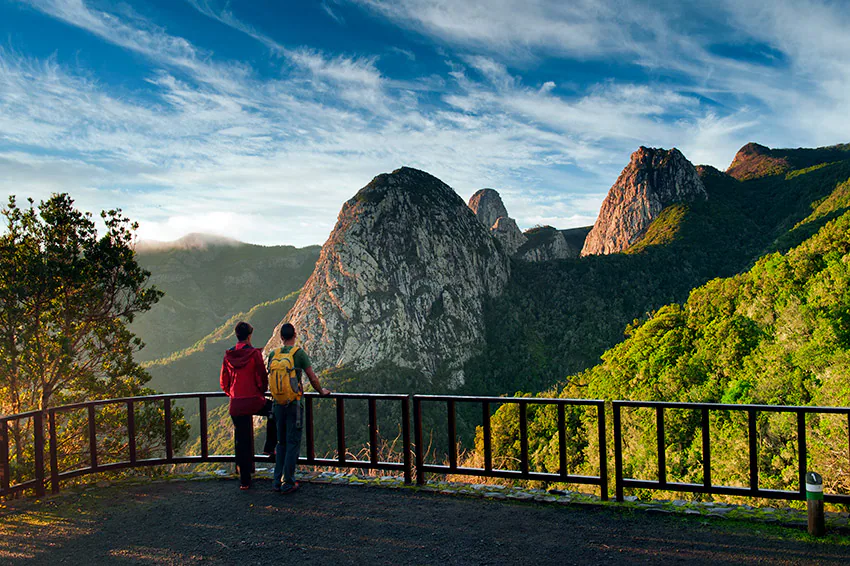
213	522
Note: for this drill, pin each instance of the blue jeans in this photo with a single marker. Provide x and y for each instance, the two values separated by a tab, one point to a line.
289	420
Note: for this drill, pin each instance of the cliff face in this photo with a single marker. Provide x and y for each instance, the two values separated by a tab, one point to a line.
545	243
487	206
508	233
401	281
653	179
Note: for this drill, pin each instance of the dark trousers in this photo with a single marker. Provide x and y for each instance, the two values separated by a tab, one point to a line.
289	419
243	437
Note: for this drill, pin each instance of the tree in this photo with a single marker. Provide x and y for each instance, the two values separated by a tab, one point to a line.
66	297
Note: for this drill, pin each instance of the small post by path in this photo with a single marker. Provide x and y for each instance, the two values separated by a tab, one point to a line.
814	502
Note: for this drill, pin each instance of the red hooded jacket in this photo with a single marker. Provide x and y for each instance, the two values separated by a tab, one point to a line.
243	373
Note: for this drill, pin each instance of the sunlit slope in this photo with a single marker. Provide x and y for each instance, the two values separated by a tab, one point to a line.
206	284
557	318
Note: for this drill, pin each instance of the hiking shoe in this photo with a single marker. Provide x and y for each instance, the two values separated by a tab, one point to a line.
288	488
276	488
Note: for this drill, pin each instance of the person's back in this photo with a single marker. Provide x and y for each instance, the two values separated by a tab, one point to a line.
288	410
244	380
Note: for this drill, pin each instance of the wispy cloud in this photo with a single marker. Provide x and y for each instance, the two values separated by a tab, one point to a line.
214	145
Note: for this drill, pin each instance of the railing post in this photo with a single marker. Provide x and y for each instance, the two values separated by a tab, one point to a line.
661	446
311	441
523	438
169	447
131	430
603	452
802	456
452	434
562	440
5	468
405	438
752	434
618	452
204	426
340	429
38	436
54	456
417	431
488	441
373	431
706	449
92	438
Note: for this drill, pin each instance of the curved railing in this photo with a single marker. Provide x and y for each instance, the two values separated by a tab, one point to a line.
51	474
54	476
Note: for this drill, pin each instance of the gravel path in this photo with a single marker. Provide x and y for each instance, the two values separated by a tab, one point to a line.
213	522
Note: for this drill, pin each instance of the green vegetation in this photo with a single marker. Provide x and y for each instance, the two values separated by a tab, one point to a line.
205	286
557	318
777	334
66	298
197	368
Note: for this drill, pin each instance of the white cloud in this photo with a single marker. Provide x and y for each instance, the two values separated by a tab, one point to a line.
213	145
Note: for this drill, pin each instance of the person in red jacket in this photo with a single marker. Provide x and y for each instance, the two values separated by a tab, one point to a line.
244	380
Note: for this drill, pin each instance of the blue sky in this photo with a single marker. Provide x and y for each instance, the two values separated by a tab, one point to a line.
258	119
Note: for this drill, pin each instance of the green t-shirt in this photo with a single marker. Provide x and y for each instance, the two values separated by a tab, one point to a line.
301	359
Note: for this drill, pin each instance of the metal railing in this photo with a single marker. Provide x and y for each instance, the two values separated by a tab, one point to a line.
707	486
524	473
56	476
43	475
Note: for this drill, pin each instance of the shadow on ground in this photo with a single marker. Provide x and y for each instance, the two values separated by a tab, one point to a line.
213	522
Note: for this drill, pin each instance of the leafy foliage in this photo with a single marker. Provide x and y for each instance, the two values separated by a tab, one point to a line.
66	297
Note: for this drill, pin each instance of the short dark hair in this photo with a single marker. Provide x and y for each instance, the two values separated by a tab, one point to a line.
287	331
243	330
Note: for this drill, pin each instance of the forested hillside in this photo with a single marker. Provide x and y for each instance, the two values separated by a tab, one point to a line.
777	334
558	318
206	282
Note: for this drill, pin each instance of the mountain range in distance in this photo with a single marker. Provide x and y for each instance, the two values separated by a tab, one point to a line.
416	290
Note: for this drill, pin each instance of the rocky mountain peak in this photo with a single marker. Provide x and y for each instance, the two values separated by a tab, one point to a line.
401	281
755	160
487	206
653	179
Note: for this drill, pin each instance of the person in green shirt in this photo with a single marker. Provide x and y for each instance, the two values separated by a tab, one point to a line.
289	418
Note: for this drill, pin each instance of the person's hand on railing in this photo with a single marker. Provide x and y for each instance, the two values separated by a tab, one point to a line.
324	392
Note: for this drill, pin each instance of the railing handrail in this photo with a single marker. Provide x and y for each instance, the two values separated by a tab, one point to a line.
493	399
733	407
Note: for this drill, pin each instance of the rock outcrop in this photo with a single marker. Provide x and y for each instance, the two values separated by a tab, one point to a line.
755	160
491	212
653	179
508	233
487	206
545	243
401	281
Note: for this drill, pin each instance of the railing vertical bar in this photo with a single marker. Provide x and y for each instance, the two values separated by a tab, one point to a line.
311	441
562	439
848	437
54	456
752	434
618	452
92	438
523	437
5	468
373	431
405	438
204	426
340	429
488	440
452	431
417	437
706	449
38	437
169	447
802	452
131	430
603	452
662	446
